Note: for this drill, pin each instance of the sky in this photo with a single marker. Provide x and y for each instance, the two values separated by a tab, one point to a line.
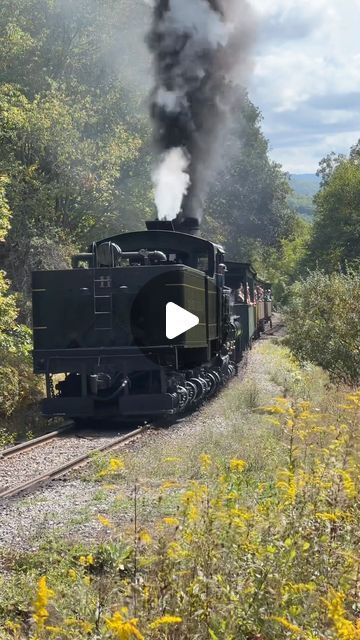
306	78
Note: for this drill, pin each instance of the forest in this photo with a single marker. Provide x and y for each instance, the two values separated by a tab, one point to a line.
76	161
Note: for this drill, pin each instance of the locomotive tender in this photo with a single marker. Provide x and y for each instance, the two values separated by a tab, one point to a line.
100	327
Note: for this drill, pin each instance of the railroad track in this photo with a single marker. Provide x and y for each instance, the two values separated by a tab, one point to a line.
272	331
38	478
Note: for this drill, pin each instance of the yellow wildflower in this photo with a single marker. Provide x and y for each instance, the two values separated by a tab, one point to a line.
169	484
334	516
12	626
116	464
53	629
87	580
346	630
123	629
145	537
274	409
43	595
240	513
86	561
193	513
349	484
171	522
287	624
81	624
165	620
287	484
299	587
174	551
105	522
72	574
237	465
205	461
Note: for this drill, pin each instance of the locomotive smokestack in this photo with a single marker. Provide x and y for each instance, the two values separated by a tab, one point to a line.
188	225
200	48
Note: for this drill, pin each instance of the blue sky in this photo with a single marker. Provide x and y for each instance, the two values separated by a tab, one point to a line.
306	78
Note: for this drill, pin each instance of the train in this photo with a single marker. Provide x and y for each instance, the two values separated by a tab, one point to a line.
100	327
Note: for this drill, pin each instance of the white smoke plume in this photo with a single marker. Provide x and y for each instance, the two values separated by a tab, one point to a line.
200	48
171	183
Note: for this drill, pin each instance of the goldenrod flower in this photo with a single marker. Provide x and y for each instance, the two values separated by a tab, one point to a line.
346	630
145	537
174	551
205	461
116	464
12	626
165	620
237	465
288	625
105	522
349	484
169	484
43	595
171	522
123	629
86	561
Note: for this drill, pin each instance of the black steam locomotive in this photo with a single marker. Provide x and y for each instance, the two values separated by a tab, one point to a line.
100	327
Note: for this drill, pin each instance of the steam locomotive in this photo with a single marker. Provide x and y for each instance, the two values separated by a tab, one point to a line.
100	327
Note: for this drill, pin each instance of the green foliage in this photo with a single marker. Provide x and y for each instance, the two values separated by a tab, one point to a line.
5	213
249	197
323	323
336	237
282	266
16	379
74	141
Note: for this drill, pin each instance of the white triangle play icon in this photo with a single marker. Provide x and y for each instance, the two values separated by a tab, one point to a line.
178	320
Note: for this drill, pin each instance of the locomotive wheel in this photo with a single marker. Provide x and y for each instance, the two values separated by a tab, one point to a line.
183	397
192	391
212	381
200	388
218	377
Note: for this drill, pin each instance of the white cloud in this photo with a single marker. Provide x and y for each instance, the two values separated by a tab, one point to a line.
308	54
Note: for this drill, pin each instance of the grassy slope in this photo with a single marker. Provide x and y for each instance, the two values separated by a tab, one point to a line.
240	523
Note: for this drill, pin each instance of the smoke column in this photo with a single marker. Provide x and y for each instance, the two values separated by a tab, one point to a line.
200	49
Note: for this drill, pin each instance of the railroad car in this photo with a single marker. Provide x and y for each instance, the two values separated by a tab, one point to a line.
100	327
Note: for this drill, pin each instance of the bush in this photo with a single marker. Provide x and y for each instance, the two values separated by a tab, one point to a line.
323	323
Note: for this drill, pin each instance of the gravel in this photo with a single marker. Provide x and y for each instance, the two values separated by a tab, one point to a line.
46	457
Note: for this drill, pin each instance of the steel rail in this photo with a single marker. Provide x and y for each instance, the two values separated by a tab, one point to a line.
273	330
73	464
35	442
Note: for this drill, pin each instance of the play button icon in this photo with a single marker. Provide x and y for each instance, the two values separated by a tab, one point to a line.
178	320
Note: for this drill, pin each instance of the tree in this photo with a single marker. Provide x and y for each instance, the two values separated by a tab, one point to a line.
336	234
16	379
323	323
283	266
249	195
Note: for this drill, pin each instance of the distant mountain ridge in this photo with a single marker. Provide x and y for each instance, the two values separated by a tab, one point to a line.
305	186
